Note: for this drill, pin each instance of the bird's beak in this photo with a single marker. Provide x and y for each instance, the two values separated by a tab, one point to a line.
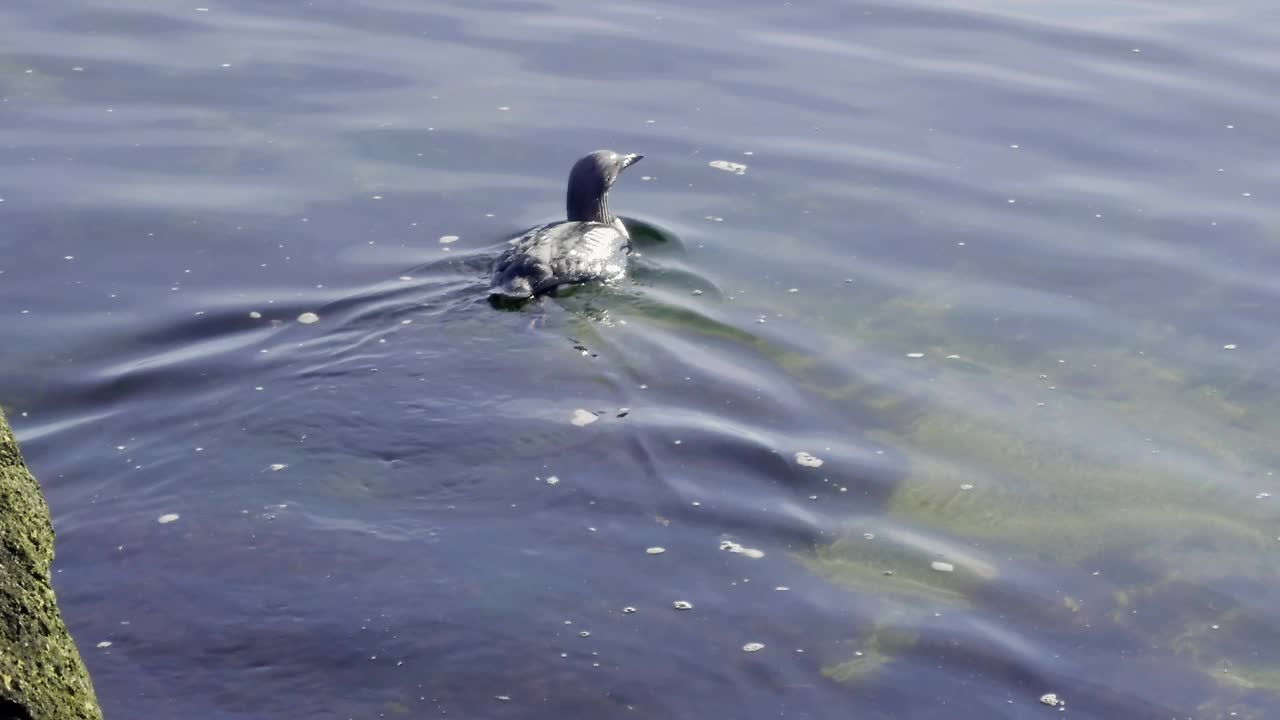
632	159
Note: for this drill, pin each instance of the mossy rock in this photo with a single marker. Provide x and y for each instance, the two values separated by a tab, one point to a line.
41	674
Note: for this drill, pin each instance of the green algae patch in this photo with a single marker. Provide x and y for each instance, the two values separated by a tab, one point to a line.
884	643
898	574
1119	462
1074	459
41	674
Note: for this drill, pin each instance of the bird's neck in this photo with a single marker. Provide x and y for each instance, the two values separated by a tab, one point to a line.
589	209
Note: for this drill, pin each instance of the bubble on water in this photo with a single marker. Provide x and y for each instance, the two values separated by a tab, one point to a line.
753	647
807	460
655	551
628	610
447	239
308	317
167	518
682	605
583	418
104	644
584	634
255	315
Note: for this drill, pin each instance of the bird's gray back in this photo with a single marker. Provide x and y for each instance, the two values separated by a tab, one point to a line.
559	253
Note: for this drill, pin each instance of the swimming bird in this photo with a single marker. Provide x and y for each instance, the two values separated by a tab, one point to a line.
591	245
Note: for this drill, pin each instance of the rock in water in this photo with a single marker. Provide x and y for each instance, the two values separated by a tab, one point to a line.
41	673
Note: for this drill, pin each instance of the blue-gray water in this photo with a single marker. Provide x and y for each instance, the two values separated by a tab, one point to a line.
1006	268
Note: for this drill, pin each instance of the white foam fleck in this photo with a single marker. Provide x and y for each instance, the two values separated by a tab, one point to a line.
727	166
735	548
583	418
807	460
308	317
167	518
447	239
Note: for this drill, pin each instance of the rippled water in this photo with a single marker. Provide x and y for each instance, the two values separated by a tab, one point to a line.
1005	268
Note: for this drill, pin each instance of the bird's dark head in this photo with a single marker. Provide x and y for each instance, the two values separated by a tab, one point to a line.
587	198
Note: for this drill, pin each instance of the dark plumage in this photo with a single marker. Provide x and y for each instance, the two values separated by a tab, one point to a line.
591	245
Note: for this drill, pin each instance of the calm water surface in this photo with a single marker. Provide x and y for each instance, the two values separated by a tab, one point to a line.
1006	268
